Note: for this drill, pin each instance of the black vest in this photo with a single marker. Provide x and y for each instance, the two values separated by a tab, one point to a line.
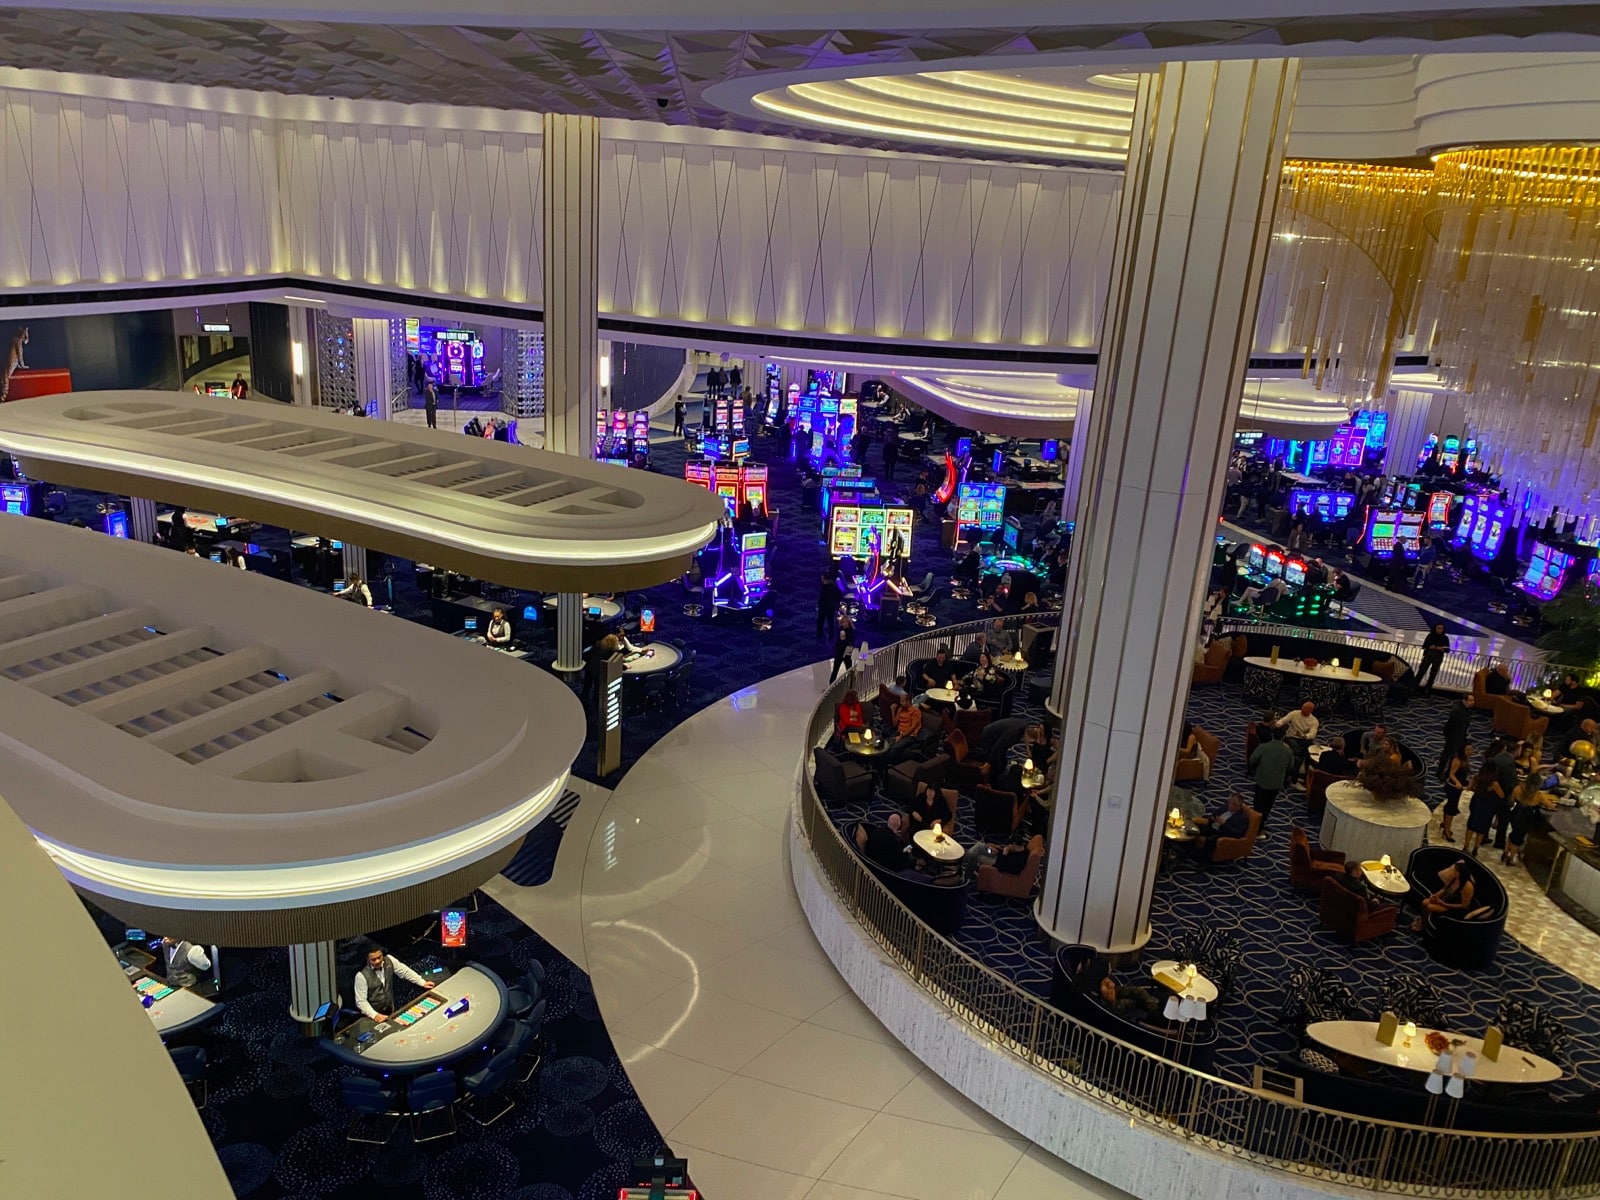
380	987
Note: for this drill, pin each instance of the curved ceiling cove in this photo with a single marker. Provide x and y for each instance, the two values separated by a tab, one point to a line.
1068	115
250	756
511	514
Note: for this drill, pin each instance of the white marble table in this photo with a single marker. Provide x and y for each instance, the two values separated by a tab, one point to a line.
1360	1038
1293	666
941	847
1391	881
1365	828
1198	988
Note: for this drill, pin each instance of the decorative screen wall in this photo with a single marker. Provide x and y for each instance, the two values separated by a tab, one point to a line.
763	235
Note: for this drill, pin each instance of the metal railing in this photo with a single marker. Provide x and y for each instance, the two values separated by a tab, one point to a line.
1528	671
1266	1128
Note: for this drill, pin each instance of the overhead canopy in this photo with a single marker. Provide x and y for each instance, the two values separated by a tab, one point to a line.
510	514
230	758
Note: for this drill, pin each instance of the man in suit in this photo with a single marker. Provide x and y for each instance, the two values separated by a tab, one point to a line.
1335	762
1233	822
1456	727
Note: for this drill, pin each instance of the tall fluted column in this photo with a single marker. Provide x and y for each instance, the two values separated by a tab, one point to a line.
1207	147
313	982
142	525
569	631
571	282
369	344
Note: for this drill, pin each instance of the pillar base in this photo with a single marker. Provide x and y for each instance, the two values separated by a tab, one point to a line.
313	983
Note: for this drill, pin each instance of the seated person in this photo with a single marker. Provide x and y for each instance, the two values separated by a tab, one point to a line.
1354	879
1189	747
1031	746
976	647
498	634
1454	894
1369	739
1587	731
1498	681
1334	762
1267	596
966	700
1137	1004
1233	822
970	567
898	688
940	671
930	804
1008	856
885	844
1030	603
907	732
985	675
849	715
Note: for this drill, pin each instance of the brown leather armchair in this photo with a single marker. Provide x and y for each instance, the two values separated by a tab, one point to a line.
973	722
1480	690
1353	918
1020	885
1251	740
1317	789
1308	865
1218	655
1226	849
1188	769
1515	719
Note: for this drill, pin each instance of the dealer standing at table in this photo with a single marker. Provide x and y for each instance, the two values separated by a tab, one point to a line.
499	632
1433	652
182	960
375	989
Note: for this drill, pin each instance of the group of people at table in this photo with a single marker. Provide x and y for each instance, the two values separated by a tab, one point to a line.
921	725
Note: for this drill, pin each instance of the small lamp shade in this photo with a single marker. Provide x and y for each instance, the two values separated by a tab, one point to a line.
1435	1084
1467	1064
1172	1009
1027	765
1444	1065
1456	1087
1385	860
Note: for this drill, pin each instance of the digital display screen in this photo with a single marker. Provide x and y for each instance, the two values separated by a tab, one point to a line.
1294	573
981	504
117	523
1489	531
1257	559
1374	426
862	530
1466	516
1274	564
997	464
1325	506
1348	447
1013	533
1050	450
964	447
453	928
1439	510
453	357
1546	572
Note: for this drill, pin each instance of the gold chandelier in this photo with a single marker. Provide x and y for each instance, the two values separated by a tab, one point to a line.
1488	263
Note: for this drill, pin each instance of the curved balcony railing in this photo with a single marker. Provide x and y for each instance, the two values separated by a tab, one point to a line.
1271	1130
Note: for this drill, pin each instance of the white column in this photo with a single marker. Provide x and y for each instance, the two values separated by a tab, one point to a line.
301	353
141	519
369	338
355	561
313	980
571	282
1196	217
569	631
1411	420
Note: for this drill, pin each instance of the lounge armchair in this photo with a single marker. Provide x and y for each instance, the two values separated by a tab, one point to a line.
1019	885
1187	770
1214	665
1352	917
839	780
1468	940
901	780
1515	719
1226	849
1308	865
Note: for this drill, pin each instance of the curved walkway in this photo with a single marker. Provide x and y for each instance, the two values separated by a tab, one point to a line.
746	1047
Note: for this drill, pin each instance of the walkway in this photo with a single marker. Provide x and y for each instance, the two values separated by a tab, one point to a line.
745	1046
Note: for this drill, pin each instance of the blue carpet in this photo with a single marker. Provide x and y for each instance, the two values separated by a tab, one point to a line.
1276	927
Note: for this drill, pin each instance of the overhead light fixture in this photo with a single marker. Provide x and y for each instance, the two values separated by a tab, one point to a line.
297	358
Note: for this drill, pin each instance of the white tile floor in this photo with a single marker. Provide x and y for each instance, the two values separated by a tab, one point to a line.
743	1042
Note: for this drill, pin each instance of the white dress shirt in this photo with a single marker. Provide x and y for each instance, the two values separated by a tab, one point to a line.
401	972
1298	725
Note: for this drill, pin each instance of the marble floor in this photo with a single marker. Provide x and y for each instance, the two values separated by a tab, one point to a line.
744	1044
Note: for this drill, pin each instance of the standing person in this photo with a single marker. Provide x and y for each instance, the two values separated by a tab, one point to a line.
240	390
375	986
1528	801
843	646
1503	762
678	409
1425	561
357	592
430	403
828	598
183	959
1270	765
891	453
1433	651
1456	726
1456	775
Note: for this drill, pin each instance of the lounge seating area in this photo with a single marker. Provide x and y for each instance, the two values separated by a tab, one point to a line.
1292	920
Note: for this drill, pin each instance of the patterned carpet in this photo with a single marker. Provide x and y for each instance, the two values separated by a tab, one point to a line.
1277	928
276	1115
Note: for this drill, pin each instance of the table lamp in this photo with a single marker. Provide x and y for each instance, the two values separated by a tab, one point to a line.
1335	663
1409	1030
1385	861
938	832
1018	656
867	734
1027	765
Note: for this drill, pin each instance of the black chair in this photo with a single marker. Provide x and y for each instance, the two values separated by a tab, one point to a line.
191	1064
839	780
434	1092
483	1091
1411	998
524	1039
373	1104
1469	940
523	997
901	780
941	902
995	813
1215	952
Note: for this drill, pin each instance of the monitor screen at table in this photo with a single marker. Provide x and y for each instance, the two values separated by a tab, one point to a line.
1294	573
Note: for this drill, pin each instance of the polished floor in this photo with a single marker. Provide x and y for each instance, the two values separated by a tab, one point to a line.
743	1043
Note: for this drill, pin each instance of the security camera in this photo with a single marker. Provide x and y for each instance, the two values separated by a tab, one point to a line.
661	101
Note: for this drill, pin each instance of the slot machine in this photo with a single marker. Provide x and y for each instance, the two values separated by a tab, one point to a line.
725	483
752	569
755	488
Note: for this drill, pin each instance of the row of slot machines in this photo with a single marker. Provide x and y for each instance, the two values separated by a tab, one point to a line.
737	484
622	438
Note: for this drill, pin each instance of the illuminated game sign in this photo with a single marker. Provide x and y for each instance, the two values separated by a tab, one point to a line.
1325	506
117	523
1347	447
863	530
453	928
1389	530
1374	427
1489	529
15	499
981	504
1439	510
1546	572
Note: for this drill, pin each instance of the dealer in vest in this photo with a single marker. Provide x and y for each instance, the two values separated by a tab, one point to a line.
375	983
